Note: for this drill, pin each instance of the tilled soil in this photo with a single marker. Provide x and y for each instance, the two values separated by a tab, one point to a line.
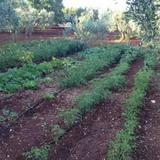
148	134
33	129
89	140
19	101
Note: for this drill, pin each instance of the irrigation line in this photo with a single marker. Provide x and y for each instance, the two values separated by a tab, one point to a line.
30	109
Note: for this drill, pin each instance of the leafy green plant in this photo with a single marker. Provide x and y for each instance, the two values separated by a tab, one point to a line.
48	96
26	77
37	153
150	58
57	132
7	115
2	119
70	116
15	55
124	143
30	85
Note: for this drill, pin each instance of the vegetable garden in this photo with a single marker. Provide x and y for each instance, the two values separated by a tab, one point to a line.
75	98
59	106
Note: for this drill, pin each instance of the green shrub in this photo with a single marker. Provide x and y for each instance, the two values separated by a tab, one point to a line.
30	85
48	96
57	132
15	55
88	100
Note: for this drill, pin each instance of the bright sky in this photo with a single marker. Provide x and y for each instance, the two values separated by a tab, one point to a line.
102	5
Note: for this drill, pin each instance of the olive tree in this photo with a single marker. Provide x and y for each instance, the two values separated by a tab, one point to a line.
28	17
145	14
55	6
9	21
89	29
31	17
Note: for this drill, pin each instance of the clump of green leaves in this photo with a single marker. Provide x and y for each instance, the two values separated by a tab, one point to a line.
26	77
150	58
30	85
48	96
57	132
70	116
145	14
15	55
7	115
37	153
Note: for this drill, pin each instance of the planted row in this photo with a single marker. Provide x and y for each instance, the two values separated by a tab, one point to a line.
101	89
26	77
14	55
122	147
95	59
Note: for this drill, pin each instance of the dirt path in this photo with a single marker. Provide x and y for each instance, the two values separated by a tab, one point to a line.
148	134
89	140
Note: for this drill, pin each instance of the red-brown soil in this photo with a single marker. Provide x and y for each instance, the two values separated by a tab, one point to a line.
32	130
89	140
148	133
55	33
37	34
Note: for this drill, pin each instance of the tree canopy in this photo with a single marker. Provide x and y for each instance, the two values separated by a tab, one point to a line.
145	14
50	5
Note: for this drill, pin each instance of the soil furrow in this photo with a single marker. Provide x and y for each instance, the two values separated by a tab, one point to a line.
32	130
89	140
148	133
